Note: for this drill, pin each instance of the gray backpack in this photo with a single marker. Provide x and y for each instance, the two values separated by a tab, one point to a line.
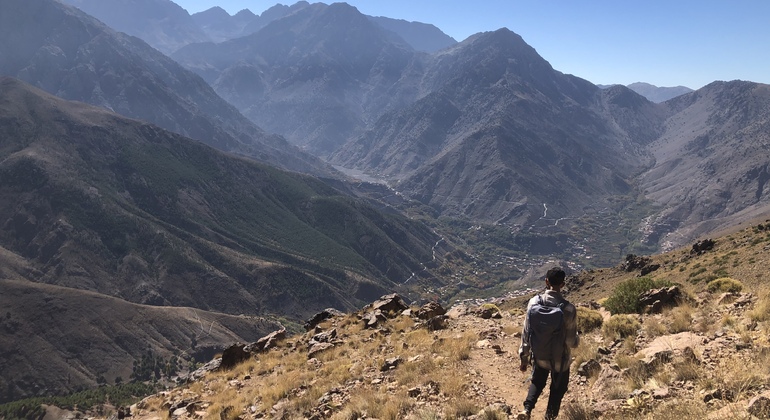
546	332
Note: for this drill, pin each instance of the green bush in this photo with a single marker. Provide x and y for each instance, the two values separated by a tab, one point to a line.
620	326
724	284
625	297
588	320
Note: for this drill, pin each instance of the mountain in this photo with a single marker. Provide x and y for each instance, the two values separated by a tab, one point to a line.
161	23
654	93
420	36
219	26
500	136
70	54
307	76
711	163
93	201
124	208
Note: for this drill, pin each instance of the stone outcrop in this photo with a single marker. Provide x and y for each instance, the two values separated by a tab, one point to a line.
320	317
700	247
655	300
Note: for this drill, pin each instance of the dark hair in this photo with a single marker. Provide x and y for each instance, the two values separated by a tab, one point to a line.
556	276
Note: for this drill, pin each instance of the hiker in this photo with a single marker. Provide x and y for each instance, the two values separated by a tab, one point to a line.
550	331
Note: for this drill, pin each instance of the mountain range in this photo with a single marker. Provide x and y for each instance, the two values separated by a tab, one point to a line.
200	182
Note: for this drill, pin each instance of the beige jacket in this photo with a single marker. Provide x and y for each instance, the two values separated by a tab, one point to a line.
553	298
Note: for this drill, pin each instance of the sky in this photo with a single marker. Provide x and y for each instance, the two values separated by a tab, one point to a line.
666	43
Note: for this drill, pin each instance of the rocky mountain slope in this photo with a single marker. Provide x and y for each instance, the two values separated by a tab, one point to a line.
68	53
96	202
711	167
499	134
702	356
421	36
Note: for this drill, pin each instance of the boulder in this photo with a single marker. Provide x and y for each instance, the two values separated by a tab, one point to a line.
267	342
702	246
373	319
388	304
391	363
430	310
656	299
634	262
436	323
320	317
317	348
589	368
234	355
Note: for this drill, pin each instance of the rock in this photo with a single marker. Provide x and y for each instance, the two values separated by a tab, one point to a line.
267	342
719	394
373	319
324	337
414	392
700	247
759	406
391	363
389	305
482	344
589	368
634	262
648	269
661	393
436	323
234	355
317	348
320	317
657	299
203	370
688	354
430	310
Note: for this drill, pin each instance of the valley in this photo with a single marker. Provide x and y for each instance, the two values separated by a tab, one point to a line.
171	183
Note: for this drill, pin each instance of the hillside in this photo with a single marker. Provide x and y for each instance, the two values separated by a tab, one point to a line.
93	201
82	338
705	357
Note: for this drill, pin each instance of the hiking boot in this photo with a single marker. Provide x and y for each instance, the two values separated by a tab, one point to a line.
524	415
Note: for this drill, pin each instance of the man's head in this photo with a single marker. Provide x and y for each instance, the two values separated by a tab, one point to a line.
554	278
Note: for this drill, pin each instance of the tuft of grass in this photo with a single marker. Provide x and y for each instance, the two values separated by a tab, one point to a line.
680	319
652	327
620	326
724	284
588	320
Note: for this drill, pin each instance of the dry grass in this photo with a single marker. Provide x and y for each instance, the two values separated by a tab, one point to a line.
680	319
620	326
588	320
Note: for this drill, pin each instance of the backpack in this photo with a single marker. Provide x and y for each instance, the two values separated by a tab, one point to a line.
546	332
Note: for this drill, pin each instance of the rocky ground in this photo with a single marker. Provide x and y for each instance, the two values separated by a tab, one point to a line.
704	353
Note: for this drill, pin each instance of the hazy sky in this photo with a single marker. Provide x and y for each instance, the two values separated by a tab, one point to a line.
666	43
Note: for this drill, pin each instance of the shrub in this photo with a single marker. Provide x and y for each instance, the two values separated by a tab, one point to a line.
724	284
620	326
625	297
588	320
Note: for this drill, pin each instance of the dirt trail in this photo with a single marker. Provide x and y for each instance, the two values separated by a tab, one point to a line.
498	369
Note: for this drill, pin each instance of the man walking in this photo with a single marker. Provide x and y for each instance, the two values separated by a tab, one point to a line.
550	331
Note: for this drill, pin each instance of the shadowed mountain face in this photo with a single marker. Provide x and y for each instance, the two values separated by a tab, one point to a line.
421	36
69	54
124	208
316	76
